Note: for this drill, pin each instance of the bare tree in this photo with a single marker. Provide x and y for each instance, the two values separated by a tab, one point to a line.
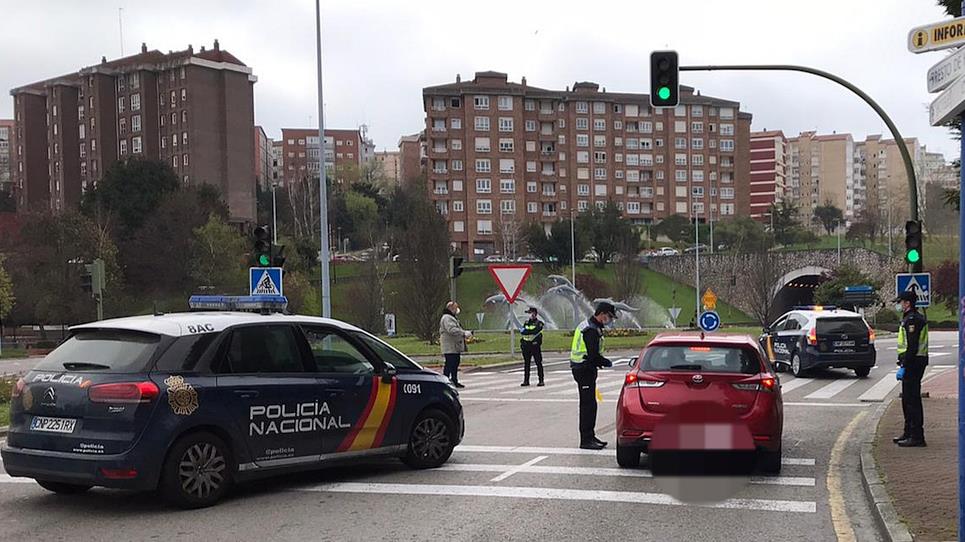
508	235
761	279
627	268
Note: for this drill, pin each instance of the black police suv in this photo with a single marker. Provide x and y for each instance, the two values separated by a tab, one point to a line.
820	337
192	403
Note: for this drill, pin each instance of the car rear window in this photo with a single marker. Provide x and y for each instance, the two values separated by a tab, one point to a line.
102	350
718	359
841	326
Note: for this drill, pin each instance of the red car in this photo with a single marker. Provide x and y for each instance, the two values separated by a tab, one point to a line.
726	374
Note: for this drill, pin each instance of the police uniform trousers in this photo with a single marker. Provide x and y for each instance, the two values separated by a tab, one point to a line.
532	352
585	376
911	398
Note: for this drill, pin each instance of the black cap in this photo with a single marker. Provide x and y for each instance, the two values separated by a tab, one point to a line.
606	308
532	310
907	296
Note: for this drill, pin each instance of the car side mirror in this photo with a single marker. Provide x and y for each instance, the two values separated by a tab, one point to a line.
632	361
766	330
388	373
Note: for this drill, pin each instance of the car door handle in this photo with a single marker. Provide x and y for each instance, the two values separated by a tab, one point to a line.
246	394
335	391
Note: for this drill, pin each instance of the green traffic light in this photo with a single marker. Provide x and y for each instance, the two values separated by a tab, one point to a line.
913	256
663	93
263	260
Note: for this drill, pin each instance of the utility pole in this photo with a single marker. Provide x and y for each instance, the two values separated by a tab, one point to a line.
274	215
693	210
322	174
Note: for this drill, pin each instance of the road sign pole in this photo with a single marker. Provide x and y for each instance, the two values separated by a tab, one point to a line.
512	332
961	340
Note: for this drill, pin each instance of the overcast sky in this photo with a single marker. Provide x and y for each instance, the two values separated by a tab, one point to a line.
378	54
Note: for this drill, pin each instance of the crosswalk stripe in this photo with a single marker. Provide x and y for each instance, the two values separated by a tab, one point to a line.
789	386
562	450
832	389
879	391
800	481
7	479
606	385
628	497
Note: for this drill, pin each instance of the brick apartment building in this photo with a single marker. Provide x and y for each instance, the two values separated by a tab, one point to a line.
412	157
7	147
343	149
501	154
263	158
191	109
880	174
768	172
390	164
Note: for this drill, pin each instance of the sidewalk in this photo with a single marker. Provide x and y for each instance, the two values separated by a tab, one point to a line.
923	482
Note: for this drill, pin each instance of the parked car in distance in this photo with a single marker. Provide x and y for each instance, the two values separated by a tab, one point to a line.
529	259
666	251
693	248
494	258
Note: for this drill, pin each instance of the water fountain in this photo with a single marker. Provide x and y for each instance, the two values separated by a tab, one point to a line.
525	301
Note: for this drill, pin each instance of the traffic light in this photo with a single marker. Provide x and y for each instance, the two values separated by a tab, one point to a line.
913	244
455	266
664	79
278	256
87	278
262	248
92	278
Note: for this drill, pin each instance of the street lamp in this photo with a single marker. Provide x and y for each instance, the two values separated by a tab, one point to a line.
274	216
837	228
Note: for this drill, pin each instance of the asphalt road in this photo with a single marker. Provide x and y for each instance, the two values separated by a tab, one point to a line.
520	476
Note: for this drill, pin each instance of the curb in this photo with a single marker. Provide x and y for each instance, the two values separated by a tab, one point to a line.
882	506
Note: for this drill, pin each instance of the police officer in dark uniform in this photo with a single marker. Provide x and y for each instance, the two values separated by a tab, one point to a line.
913	358
531	343
586	356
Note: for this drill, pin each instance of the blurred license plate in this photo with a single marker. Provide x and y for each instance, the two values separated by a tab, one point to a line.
843	344
53	425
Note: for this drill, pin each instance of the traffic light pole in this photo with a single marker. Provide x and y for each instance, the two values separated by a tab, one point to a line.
322	182
899	141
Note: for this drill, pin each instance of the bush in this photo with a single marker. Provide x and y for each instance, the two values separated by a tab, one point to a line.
887	316
624	332
7	383
592	287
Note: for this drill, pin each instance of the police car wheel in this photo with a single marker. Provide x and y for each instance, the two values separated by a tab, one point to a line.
63	488
796	368
197	472
862	372
431	441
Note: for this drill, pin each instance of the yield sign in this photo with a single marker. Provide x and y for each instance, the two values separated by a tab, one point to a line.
510	279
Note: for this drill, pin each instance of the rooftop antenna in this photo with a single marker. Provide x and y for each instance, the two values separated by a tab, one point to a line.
120	25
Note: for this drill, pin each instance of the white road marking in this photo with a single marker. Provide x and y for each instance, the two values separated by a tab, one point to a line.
7	479
513	469
627	497
879	391
794	384
832	389
944	366
550	450
822	404
573	391
801	481
522	399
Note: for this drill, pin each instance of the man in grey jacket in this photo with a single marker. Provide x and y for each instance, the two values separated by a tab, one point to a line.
452	338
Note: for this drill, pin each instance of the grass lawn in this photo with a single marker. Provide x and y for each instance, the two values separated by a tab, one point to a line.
496	342
14	353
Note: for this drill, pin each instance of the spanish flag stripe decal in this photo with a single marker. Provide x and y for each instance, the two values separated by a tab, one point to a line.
365	414
370	428
770	349
388	416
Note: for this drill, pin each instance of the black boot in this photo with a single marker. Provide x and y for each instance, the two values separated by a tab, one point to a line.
912	443
524	384
592	445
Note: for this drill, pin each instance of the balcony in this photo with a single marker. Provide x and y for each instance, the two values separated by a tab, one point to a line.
440	171
441	191
438	128
440	150
549	213
549	193
549	172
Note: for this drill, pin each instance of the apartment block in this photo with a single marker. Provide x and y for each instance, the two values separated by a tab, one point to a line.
263	158
412	157
390	161
821	172
344	149
500	154
193	110
768	171
880	170
7	152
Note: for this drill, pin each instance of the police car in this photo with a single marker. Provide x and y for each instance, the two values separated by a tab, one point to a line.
820	337
192	403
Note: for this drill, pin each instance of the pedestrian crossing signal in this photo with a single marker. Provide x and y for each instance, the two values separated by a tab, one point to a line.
913	243
262	246
664	79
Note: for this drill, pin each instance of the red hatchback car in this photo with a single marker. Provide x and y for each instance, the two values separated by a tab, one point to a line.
725	374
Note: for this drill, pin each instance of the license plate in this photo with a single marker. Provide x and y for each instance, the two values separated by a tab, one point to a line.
53	425
840	344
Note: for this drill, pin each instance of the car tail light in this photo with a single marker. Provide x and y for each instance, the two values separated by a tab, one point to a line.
635	380
118	474
18	388
768	384
123	392
764	384
813	336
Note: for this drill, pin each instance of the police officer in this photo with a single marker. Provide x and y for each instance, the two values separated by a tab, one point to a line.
531	344
913	357
586	356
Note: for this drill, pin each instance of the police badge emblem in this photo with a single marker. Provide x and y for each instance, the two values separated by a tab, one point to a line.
182	396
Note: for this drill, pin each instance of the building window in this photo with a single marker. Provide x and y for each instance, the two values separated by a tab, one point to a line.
599	125
599	141
531	187
135	102
582	123
697	143
582	157
726	193
507	165
83	150
583	190
505	145
120	104
482	124
174	140
123	125
726	129
456	164
174	95
456	144
530	125
532	207
680	159
680	143
599	157
184	139
582	205
184	160
507	207
505	124
55	128
727	145
582	140
184	94
174	119
680	111
599	108
599	174
582	107
507	186
123	146
529	105
698	176
455	123
505	103
698	159
184	118
458	206
135	145
484	227
680	175
531	166
136	123
617	125
481	102
482	144
484	207
483	165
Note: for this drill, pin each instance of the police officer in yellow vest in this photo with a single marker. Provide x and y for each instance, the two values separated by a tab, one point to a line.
586	356
531	343
913	358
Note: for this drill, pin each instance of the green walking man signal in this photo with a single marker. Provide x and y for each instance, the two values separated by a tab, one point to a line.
664	79
914	245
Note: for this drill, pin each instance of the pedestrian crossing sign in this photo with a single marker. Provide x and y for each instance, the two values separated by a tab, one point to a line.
919	283
265	281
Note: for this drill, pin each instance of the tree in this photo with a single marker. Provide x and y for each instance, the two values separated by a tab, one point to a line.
740	233
604	229
129	192
628	283
421	236
553	248
764	272
945	284
7	297
831	292
219	256
675	227
364	213
829	215
786	225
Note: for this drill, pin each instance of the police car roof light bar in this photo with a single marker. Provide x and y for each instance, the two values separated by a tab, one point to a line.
816	308
247	303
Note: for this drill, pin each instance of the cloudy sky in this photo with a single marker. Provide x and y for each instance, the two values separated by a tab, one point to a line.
378	54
